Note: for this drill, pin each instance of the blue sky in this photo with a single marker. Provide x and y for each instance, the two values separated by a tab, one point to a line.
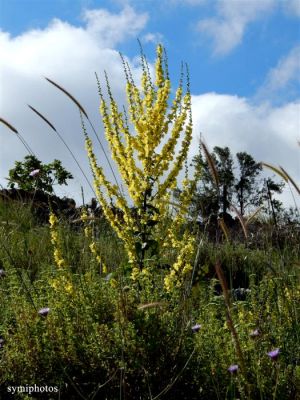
240	71
243	55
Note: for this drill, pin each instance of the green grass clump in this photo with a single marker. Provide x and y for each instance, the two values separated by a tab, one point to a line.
107	337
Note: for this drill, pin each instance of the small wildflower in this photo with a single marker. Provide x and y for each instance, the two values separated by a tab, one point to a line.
274	354
2	273
34	173
196	328
255	333
233	369
1	342
44	311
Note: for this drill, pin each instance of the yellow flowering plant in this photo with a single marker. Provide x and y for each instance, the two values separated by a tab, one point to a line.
90	238
149	147
63	279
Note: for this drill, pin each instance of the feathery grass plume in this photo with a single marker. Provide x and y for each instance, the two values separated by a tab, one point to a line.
82	110
151	305
69	95
241	220
43	117
9	125
276	170
211	164
291	180
149	175
65	144
253	215
19	136
224	228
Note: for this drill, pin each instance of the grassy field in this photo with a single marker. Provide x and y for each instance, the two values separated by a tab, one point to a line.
106	337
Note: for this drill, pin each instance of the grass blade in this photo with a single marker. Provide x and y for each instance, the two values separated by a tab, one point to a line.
8	125
69	95
224	228
211	164
253	215
43	118
65	144
291	180
241	219
276	170
22	140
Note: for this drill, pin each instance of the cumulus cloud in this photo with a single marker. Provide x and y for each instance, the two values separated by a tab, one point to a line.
227	28
292	7
268	133
68	55
111	29
152	38
188	2
287	71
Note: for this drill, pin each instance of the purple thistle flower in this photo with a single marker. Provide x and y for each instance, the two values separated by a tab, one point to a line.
255	333
274	354
233	369
34	173
2	273
196	328
44	311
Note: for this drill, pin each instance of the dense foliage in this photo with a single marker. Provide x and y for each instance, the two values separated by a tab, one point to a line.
31	174
102	330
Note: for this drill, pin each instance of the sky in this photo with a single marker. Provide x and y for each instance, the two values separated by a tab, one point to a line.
243	57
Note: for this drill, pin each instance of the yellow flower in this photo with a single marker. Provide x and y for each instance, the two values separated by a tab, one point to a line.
56	241
148	163
62	284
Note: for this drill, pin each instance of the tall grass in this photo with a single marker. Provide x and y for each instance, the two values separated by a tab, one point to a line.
103	335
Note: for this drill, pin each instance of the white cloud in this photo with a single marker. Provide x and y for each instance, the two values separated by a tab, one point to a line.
268	133
188	2
110	28
69	55
227	28
286	71
152	38
292	7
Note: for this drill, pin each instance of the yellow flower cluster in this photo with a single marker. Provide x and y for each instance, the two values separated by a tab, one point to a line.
62	283
123	230
88	233
56	241
183	264
147	160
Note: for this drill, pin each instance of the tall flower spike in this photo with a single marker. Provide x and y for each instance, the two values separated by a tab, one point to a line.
143	146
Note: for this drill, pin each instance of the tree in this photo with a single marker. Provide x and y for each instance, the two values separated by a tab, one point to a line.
240	185
212	197
31	174
246	185
274	206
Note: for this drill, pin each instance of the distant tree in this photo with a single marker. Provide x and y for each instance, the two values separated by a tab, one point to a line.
32	174
212	198
273	206
246	185
241	186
